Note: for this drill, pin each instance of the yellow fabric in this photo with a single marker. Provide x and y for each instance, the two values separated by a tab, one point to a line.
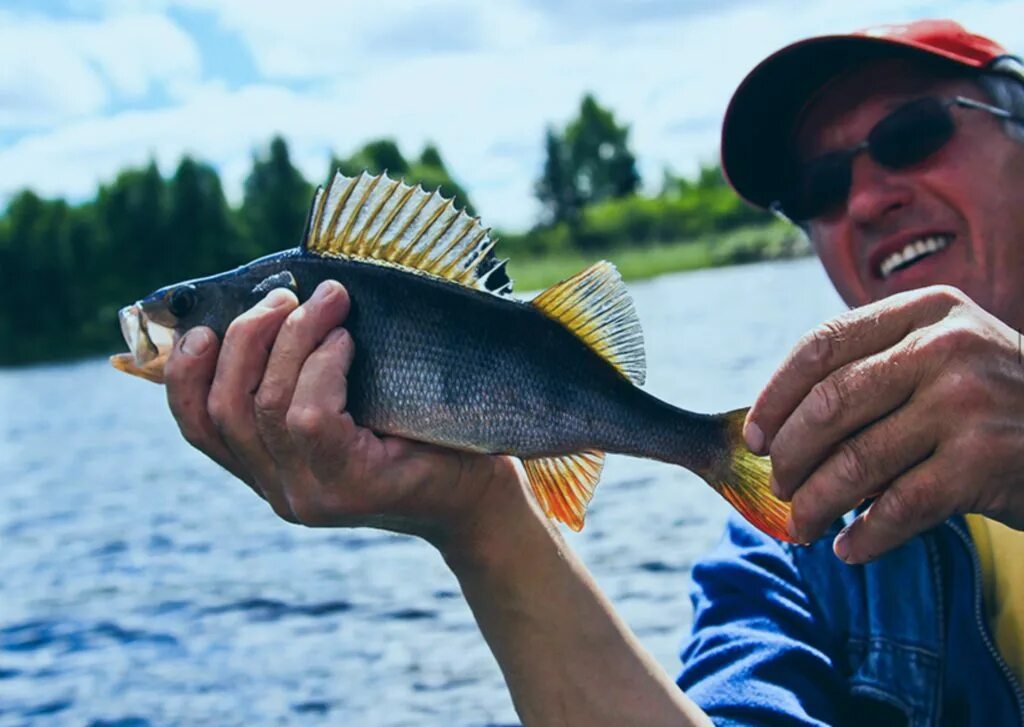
1001	551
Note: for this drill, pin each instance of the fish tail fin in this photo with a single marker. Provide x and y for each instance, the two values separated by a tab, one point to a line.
742	478
564	485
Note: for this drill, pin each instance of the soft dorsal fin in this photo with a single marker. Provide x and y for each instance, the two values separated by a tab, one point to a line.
381	220
564	485
595	305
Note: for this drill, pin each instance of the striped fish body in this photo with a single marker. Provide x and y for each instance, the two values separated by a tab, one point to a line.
447	364
445	354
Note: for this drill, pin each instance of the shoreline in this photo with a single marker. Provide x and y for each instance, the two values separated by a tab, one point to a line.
757	243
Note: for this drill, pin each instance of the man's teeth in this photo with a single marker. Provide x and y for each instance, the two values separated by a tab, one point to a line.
913	252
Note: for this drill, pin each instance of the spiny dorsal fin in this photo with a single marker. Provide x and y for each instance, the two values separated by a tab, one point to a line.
595	305
382	220
564	485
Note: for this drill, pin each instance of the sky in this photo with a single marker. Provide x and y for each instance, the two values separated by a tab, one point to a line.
89	88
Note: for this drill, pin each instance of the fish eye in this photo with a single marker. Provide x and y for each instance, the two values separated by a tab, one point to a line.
183	299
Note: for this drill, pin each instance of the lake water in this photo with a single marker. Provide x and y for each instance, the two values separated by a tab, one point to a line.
141	585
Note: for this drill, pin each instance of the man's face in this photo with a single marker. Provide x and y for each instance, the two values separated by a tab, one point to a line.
969	193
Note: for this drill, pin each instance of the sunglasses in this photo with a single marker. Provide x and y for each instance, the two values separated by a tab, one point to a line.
907	136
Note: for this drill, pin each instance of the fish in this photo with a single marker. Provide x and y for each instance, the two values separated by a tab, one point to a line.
446	354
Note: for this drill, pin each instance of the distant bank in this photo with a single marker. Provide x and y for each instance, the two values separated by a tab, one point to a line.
771	241
530	271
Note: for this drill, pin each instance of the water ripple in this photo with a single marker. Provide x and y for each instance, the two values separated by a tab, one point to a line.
72	637
267	609
141	585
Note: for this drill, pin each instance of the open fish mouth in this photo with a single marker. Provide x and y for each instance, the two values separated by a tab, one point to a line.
149	344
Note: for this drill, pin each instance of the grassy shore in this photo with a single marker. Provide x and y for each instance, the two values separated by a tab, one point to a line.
748	244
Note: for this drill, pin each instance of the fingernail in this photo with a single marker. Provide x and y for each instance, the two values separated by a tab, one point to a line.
791	529
196	341
334	336
754	437
324	290
276	298
841	545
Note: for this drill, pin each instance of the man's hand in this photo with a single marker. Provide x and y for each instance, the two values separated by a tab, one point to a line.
917	399
271	409
268	404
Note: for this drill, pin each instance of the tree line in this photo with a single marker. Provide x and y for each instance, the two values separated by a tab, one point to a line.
65	269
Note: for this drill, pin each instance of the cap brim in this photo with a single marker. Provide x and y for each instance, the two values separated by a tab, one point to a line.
758	126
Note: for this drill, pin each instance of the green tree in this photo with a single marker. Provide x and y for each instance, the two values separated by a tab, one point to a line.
200	225
428	170
710	176
276	201
132	219
374	157
40	290
588	163
555	188
600	161
431	157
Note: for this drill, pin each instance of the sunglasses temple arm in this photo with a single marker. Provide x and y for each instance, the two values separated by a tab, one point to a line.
994	110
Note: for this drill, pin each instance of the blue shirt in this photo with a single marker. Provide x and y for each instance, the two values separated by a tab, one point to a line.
791	635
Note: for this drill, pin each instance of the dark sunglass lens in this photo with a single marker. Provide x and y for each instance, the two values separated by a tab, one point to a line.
911	133
821	185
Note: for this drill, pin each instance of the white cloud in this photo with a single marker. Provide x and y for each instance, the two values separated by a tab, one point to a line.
56	71
134	51
325	38
485	105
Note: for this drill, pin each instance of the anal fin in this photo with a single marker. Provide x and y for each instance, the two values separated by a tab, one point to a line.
564	485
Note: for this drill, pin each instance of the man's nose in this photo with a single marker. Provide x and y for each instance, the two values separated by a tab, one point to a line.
875	192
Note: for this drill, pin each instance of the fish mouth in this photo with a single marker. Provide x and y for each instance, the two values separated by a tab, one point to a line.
149	344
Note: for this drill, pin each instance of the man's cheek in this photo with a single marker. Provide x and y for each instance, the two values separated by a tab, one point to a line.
847	279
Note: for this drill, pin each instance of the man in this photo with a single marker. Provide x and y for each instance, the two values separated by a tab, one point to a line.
892	150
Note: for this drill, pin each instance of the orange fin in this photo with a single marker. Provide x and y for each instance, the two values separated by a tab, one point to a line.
151	371
743	479
564	485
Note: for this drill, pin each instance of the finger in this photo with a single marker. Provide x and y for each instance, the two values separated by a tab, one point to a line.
304	330
317	413
240	368
846	401
322	432
188	375
916	501
851	336
860	467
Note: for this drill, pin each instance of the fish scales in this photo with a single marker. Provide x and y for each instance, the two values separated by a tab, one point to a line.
439	363
444	354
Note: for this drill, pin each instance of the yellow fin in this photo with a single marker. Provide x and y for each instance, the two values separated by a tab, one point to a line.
595	305
381	220
743	478
564	485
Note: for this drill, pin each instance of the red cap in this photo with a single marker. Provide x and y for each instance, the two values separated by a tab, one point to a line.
759	121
